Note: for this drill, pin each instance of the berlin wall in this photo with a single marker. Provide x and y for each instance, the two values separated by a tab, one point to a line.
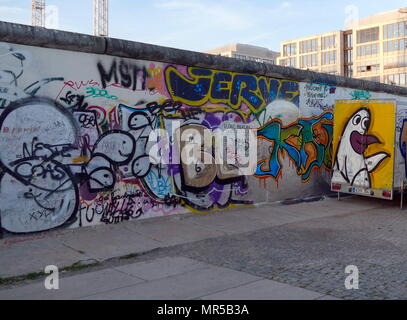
77	113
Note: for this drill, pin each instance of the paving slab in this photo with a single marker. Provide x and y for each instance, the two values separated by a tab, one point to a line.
269	216
230	222
102	243
161	268
173	231
33	256
73	287
107	241
264	290
188	285
330	207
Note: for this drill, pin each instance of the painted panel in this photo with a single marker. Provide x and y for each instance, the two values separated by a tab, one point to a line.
363	142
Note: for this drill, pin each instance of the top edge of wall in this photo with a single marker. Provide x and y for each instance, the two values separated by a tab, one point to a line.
64	40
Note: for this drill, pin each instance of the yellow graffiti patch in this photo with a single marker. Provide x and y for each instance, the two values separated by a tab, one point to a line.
380	130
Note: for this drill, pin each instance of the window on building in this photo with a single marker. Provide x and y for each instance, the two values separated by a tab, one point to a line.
395	30
348	56
369	68
368	49
368	35
348	40
290	62
328	42
399	79
309	46
395	45
349	71
395	62
309	60
289	50
329	57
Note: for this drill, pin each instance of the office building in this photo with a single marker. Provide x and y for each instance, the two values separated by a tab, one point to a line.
372	48
246	52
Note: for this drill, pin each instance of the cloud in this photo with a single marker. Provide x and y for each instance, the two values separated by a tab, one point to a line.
285	4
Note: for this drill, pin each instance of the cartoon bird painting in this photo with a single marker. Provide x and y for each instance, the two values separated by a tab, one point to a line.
351	165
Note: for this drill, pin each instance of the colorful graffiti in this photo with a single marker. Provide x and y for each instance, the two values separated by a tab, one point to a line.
360	94
307	142
200	86
363	145
99	139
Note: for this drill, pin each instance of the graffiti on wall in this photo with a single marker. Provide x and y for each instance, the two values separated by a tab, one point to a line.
99	144
363	144
319	96
307	142
249	93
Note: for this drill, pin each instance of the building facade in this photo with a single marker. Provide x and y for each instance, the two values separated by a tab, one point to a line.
246	52
320	53
380	47
372	48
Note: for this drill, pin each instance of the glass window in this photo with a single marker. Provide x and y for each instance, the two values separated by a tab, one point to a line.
368	35
391	78
395	30
402	79
369	49
349	71
310	60
328	42
307	46
289	49
348	56
348	40
329	57
395	45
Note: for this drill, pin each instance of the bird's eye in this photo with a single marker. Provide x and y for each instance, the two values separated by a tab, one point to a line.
356	120
365	123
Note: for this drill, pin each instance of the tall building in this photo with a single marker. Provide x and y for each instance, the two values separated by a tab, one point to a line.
380	44
246	52
372	48
320	53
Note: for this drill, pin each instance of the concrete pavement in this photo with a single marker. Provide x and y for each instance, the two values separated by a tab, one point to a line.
26	254
174	276
169	278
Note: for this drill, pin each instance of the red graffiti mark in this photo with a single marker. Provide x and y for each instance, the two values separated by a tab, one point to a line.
113	121
101	114
76	85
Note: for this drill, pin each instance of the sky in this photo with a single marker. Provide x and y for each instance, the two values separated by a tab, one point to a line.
201	25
